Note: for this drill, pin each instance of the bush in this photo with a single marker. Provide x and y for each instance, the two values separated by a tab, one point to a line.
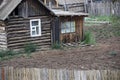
29	48
115	20
4	53
56	46
89	38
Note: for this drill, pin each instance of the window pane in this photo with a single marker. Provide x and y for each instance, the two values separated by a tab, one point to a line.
67	27
33	28
33	32
62	28
34	23
72	26
37	29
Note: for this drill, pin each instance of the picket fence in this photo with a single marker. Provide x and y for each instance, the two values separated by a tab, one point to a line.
10	73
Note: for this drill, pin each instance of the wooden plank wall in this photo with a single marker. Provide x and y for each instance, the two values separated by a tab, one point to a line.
18	32
73	36
3	38
79	7
103	8
10	73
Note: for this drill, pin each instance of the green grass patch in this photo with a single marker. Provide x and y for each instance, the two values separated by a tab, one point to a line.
29	48
56	46
7	54
89	38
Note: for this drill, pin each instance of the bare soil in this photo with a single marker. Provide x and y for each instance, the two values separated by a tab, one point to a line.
104	55
87	57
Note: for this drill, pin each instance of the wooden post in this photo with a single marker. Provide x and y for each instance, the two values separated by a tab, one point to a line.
81	28
3	74
56	3
45	2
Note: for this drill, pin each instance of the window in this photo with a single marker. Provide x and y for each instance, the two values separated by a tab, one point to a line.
35	27
67	27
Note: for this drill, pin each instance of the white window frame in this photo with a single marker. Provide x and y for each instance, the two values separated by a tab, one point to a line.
31	28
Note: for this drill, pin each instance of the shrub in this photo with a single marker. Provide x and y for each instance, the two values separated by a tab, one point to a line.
89	38
115	20
30	47
56	46
4	53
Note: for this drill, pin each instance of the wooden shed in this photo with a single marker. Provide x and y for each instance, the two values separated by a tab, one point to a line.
69	26
30	21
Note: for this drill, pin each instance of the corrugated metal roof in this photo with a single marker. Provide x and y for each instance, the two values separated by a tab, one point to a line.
68	13
6	7
62	2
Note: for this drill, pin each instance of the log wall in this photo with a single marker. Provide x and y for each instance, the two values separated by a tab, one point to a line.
3	40
18	32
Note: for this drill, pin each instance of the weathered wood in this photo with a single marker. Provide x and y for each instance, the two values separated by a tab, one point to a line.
10	73
18	32
104	8
73	36
3	36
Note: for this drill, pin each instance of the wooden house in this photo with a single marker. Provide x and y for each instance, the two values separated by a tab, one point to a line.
30	21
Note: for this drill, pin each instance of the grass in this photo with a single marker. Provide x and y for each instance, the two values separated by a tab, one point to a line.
106	31
29	48
56	46
89	38
8	54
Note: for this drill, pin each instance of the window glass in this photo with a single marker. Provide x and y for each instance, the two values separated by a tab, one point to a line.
34	23
67	27
37	30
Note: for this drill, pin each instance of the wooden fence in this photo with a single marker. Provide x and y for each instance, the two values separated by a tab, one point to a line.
103	8
10	73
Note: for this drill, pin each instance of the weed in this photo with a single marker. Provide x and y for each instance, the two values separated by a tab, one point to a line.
29	48
115	20
89	38
56	46
4	53
113	53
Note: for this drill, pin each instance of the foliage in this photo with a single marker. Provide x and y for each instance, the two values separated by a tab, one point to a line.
89	38
29	48
4	53
115	20
56	45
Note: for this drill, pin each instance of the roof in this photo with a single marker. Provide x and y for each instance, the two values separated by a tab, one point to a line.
7	6
62	2
68	13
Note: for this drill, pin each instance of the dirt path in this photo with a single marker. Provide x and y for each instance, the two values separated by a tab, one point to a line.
89	57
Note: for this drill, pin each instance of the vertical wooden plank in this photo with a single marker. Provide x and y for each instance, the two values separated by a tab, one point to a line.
3	74
81	28
77	74
71	75
0	74
83	75
45	2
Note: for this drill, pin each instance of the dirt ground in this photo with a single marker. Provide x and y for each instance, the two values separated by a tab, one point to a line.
100	56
